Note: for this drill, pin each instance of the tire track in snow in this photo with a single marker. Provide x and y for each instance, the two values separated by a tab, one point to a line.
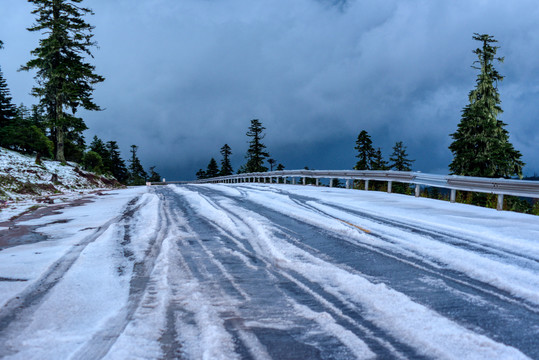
18	311
298	293
467	243
479	309
141	284
413	258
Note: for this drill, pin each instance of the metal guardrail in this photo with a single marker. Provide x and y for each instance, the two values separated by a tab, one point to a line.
501	187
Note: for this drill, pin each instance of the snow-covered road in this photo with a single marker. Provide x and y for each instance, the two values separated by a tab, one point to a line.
271	272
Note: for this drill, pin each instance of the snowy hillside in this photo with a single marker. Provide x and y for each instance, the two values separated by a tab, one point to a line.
22	179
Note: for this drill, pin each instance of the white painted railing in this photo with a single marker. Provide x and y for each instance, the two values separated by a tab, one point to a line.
500	187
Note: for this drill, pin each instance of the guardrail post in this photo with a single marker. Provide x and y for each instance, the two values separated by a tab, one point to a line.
331	182
304	180
366	185
389	185
348	183
499	206
417	190
293	180
453	197
317	182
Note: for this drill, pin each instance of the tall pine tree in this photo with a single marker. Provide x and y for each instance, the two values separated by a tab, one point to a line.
378	162
18	131
8	111
399	158
154	175
118	168
98	146
137	175
201	174
481	144
256	154
365	151
226	167
213	169
64	79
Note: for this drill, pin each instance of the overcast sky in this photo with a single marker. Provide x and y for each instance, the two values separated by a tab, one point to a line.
184	77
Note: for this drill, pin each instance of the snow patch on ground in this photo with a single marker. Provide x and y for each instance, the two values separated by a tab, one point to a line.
23	183
30	262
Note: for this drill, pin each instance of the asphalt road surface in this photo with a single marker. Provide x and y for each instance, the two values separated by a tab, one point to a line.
268	272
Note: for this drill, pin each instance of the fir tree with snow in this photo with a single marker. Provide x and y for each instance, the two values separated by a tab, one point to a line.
481	144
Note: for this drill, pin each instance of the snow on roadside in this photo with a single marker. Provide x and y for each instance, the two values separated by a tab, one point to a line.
64	230
80	304
24	184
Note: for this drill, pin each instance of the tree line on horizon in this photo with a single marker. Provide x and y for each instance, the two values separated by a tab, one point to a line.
480	146
256	156
64	83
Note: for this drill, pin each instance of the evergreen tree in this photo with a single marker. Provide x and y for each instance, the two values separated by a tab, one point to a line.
74	142
481	144
399	158
201	174
18	131
271	162
98	146
64	80
8	113
137	175
117	164
213	169
365	151
280	167
256	153
378	162
154	175
92	161
242	169
226	167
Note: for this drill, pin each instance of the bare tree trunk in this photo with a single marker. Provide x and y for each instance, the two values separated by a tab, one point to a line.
60	134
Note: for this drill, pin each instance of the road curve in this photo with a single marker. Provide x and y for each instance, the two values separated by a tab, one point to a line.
272	272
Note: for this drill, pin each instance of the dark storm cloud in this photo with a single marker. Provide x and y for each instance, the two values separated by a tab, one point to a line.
185	77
